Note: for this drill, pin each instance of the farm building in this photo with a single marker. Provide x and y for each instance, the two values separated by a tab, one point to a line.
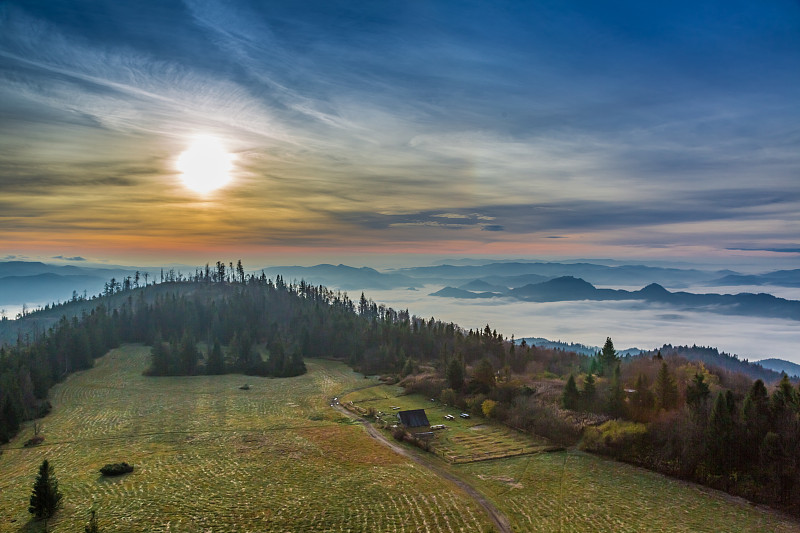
414	418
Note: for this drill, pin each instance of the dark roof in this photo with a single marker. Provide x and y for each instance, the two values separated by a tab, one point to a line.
414	418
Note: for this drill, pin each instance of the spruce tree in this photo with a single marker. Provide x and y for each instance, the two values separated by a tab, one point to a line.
642	400
455	374
45	498
589	391
719	438
666	388
160	358
216	361
188	355
608	356
616	395
697	392
571	396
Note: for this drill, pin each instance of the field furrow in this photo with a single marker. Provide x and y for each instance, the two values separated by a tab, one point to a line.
211	457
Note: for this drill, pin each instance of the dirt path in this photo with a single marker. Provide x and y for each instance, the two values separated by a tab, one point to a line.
500	520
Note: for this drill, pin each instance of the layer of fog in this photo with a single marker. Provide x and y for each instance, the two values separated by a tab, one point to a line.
629	323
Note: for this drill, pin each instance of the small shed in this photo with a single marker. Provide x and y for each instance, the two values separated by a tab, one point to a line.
414	418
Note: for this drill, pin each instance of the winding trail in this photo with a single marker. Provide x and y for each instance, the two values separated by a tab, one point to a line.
498	518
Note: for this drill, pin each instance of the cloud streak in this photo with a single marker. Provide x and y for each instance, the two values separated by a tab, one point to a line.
639	127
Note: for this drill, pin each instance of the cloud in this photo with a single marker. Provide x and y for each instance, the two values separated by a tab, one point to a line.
781	249
76	258
362	125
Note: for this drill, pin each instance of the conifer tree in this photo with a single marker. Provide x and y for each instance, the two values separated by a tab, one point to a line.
720	436
589	391
608	356
666	388
216	361
697	392
455	374
641	400
571	396
45	498
160	358
188	354
483	376
616	396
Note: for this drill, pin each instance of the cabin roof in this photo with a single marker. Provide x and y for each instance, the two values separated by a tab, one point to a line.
414	418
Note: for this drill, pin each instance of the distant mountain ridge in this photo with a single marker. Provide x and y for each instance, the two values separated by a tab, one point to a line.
624	275
343	277
569	288
779	278
573	346
769	372
779	365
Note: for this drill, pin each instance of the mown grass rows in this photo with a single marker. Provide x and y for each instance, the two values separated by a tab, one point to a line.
495	441
211	457
464	440
576	492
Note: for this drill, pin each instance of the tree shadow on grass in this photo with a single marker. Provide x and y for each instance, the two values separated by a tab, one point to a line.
109	480
34	525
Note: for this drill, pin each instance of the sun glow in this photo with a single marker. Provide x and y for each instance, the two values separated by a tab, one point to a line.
206	166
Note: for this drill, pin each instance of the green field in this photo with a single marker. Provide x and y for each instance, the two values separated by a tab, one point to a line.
211	457
464	440
573	491
578	492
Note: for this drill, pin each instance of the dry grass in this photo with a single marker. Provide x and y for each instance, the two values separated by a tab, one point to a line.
464	440
577	492
211	457
573	491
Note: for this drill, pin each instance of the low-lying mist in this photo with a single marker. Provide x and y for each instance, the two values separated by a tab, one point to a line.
629	323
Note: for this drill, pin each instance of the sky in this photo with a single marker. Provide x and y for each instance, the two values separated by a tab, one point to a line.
623	129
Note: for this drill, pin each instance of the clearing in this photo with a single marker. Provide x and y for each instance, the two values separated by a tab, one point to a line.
211	457
570	491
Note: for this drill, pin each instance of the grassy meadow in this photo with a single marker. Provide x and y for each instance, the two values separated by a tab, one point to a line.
571	491
577	492
464	440
211	457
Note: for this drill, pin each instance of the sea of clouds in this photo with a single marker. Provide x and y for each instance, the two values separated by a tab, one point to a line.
629	323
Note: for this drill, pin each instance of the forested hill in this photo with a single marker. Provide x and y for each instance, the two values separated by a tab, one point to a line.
712	357
247	324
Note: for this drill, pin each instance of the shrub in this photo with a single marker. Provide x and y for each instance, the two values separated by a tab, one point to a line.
616	438
398	433
116	469
33	441
448	397
488	407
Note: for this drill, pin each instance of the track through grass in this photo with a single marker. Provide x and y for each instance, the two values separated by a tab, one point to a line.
572	491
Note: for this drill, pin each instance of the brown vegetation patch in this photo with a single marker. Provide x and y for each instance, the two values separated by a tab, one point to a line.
510	481
343	444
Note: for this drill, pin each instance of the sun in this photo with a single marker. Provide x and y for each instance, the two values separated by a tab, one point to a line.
205	165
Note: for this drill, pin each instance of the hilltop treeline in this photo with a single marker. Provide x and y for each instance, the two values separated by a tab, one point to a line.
713	357
248	324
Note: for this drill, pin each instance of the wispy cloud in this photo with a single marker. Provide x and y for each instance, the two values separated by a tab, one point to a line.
362	126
